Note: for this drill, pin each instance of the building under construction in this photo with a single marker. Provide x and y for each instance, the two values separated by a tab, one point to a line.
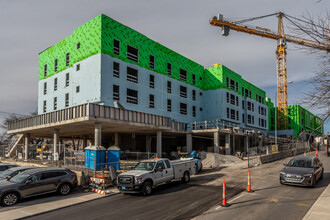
110	85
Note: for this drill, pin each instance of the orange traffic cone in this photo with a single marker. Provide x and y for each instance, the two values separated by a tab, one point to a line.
316	155
249	182
305	153
224	200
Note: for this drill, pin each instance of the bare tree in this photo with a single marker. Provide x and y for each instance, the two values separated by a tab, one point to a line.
316	29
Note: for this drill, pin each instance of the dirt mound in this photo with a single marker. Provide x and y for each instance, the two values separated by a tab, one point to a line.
211	160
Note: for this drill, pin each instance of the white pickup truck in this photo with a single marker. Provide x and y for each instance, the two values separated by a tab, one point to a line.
149	173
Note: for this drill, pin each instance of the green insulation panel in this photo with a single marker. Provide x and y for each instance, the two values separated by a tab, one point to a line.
271	114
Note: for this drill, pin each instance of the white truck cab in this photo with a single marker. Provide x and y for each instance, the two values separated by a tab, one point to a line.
150	173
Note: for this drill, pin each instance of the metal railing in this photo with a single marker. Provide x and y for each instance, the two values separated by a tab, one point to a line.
97	111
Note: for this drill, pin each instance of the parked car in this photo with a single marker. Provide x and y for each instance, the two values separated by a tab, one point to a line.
6	166
302	170
9	173
33	182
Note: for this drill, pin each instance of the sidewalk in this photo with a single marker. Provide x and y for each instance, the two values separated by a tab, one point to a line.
42	207
321	208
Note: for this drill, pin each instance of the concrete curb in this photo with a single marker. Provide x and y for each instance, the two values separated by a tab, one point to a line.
321	208
42	208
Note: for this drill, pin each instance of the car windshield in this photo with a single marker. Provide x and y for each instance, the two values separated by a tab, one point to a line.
145	166
19	177
6	173
307	163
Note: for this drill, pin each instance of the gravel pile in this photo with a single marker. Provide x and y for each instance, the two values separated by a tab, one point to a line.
211	160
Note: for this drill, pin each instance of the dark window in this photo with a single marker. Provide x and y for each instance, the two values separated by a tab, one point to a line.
67	100
289	111
151	101
160	165
243	118
183	108
55	65
232	84
252	119
183	91
227	97
243	104
116	92
45	106
249	106
116	47
169	69
246	92
259	121
152	81
227	112
132	96
67	79
77	89
55	84
77	67
116	69
253	107
169	105
237	100
236	86
168	164
259	110
78	45
200	78
55	103
183	74
201	109
45	70
169	87
227	82
45	88
132	53
194	111
152	62
132	75
249	119
67	59
237	115
232	114
194	79
201	94
194	95
232	99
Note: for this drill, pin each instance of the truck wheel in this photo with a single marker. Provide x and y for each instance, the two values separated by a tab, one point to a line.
186	177
147	189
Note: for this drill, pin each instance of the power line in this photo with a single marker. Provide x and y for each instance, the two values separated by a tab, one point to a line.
11	113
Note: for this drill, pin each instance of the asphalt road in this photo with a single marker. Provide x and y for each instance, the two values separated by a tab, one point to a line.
172	201
271	200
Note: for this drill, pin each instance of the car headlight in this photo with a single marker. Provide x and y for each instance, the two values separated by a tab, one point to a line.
138	179
308	175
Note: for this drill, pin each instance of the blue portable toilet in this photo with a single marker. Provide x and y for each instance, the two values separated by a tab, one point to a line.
113	157
95	157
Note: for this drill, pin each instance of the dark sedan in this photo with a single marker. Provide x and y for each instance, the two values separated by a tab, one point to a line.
35	182
9	173
6	166
302	170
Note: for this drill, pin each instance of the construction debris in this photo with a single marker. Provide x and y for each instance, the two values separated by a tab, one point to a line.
212	160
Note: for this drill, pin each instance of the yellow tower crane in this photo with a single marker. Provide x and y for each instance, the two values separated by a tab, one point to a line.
282	39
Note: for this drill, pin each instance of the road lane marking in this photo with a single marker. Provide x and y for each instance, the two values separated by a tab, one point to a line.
233	199
302	204
273	200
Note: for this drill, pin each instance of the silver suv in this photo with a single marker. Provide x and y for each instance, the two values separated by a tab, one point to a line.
35	182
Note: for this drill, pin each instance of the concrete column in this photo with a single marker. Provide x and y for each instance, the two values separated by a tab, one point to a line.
246	144
84	141
55	141
216	141
27	146
159	143
117	139
97	135
234	144
148	143
261	142
227	144
189	142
